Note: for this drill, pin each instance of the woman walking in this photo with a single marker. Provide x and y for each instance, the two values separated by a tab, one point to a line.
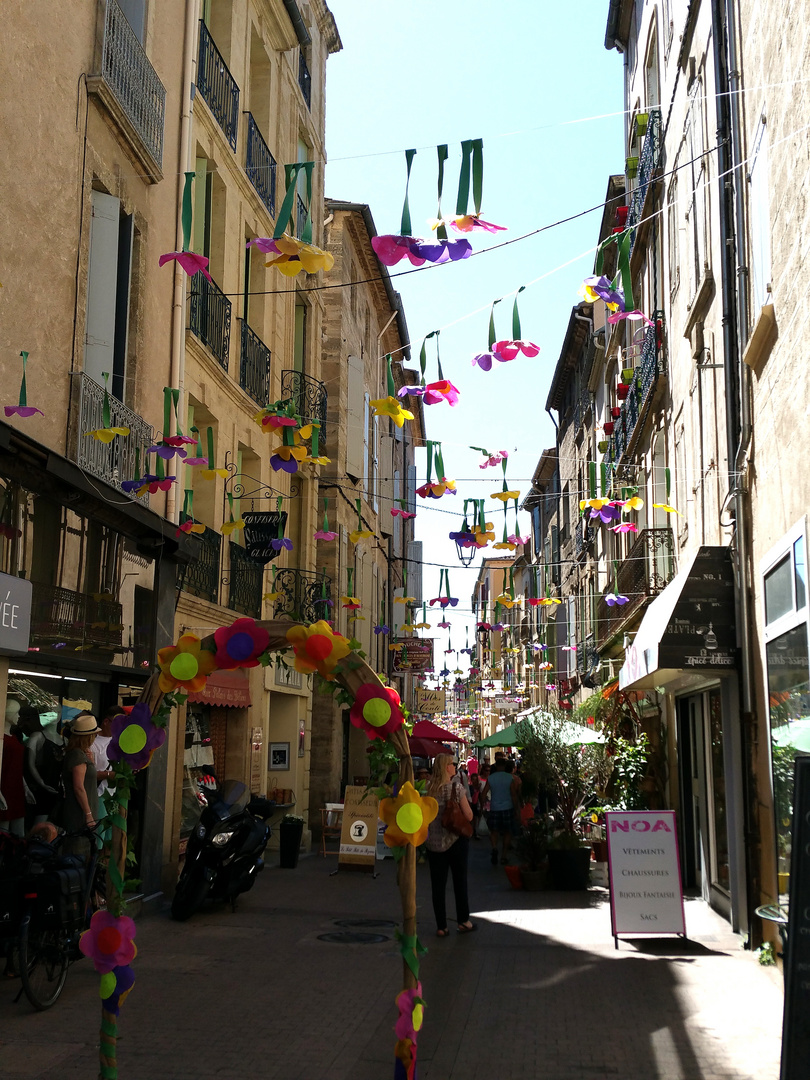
446	850
80	808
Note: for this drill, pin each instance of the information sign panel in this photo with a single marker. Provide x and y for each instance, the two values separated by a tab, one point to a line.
646	896
358	837
429	701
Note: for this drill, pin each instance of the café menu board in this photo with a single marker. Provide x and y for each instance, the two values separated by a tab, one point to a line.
795	1028
646	896
358	836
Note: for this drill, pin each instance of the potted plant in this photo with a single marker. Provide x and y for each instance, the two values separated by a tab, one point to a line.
642	119
627	374
631	168
609	427
622	390
615	411
602	446
532	850
290	832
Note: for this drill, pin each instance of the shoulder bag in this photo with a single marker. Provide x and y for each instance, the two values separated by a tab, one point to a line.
453	818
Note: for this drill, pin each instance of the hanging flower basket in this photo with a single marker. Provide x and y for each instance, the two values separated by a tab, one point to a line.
622	390
615	411
609	427
642	119
627	374
602	446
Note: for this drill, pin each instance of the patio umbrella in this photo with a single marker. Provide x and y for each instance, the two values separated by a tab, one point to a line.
428	748
426	729
506	737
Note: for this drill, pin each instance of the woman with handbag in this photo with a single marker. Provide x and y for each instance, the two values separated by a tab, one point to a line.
448	844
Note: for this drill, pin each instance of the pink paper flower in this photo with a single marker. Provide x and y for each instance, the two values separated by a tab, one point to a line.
240	645
391	249
494	459
323	535
110	941
508	350
396	512
376	710
625	527
191	263
443	390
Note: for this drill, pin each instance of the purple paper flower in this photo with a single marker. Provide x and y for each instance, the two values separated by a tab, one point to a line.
121	980
483	360
264	244
281	543
21	410
498	626
135	737
381	630
443	251
389	249
612	599
463	539
278	463
607	513
443	624
166	451
413	391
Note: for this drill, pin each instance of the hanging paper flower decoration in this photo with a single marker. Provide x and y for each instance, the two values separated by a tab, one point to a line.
229	527
381	628
189	526
293	256
593	504
106	435
285	458
547	601
390	406
491	459
483	536
377	710
508	350
483	626
405	1065
404	599
281	543
633	503
666	508
110	941
632	316
189	261
397	512
148	483
534	601
600	287
546	666
135	737
443	390
407	816
115	987
609	512
624	527
322	534
317	648
465	223
507	601
444	625
616	599
504	545
444	601
423	626
391	249
23	408
465	538
505	496
411	1013
185	664
351	602
498	626
518	541
270	419
436	490
356	535
484	360
240	645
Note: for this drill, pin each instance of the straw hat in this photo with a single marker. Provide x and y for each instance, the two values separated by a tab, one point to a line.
84	725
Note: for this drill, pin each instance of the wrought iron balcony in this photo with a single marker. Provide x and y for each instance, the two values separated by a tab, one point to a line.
651	367
303	595
648	165
254	365
245	583
210	317
86	620
132	81
201	577
583	535
112	462
310	398
582	408
260	166
645	572
304	78
217	86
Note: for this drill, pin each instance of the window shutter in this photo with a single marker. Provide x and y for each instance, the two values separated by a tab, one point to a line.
411	493
759	202
397	521
102	283
355	441
414	564
386	484
556	576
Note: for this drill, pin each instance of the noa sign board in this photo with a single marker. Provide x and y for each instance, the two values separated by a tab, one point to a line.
429	701
646	895
358	837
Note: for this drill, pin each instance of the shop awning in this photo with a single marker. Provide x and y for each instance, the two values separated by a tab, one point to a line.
426	729
689	628
229	688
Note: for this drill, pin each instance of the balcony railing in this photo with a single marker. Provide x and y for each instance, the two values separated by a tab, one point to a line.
583	406
310	398
245	583
210	317
112	462
260	166
254	366
651	367
76	619
303	595
201	577
304	78
645	572
217	86
648	164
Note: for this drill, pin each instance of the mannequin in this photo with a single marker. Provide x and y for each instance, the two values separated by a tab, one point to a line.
41	766
12	787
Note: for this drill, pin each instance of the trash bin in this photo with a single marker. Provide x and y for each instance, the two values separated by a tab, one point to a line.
290	833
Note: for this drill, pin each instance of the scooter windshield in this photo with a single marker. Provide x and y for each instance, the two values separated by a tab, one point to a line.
233	795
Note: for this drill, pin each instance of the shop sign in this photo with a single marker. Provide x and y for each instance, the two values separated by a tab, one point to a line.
15	614
358	837
413	655
429	701
646	896
504	704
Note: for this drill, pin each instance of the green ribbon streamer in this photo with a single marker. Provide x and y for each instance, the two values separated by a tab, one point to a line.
188	503
105	408
505	532
185	214
285	213
230	506
424	612
516	316
210	448
316	430
359	515
167	411
411	948
441	231
503	467
439	462
350	579
517	526
23	390
287	437
137	475
325	515
279	501
392	390
160	472
603	479
492	335
405	225
622	241
438	358
591	479
404	580
512	582
482	516
423	353
429	461
464	177
668	479
306	235
477	173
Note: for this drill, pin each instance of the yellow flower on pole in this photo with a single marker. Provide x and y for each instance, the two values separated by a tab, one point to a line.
391	406
185	665
407	816
317	648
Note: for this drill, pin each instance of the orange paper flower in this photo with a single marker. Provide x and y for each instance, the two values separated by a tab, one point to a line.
317	648
407	816
185	665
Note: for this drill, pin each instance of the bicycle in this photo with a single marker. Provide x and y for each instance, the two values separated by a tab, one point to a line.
55	898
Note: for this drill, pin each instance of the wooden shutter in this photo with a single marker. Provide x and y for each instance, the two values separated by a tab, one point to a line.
355	441
414	564
386	484
102	283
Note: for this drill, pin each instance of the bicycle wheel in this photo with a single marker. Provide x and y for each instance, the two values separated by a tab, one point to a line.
43	960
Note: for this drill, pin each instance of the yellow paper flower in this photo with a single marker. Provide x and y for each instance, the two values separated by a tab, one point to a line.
667	508
317	460
390	406
271	597
634	503
229	527
317	648
185	665
295	256
287	452
106	435
421	626
595	504
209	474
404	599
548	600
407	628
504	545
407	816
505	496
505	600
356	535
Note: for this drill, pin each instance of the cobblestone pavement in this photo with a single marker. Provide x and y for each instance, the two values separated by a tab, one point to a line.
538	992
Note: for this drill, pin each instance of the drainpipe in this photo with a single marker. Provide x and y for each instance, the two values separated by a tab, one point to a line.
178	344
738	425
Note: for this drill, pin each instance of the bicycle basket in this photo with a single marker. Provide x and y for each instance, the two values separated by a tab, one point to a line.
57	897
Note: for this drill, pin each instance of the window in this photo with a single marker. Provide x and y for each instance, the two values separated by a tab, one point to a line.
651	70
698	177
108	291
135	14
300	345
785	609
760	214
355	440
672	237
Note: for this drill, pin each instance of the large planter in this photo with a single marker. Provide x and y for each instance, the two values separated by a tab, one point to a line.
599	850
534	880
289	833
568	869
515	877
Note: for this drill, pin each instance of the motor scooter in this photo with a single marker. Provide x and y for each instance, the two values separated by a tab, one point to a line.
225	849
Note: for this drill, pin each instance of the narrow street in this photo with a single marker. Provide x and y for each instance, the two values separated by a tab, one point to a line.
538	991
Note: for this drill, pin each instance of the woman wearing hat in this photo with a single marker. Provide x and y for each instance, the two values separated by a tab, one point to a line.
80	808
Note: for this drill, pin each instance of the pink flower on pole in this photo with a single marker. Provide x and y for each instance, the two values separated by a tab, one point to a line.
109	942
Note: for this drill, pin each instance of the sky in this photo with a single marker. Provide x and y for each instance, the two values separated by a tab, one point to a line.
534	80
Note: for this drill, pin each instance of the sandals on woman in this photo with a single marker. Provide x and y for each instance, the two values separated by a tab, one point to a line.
443	933
467	928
